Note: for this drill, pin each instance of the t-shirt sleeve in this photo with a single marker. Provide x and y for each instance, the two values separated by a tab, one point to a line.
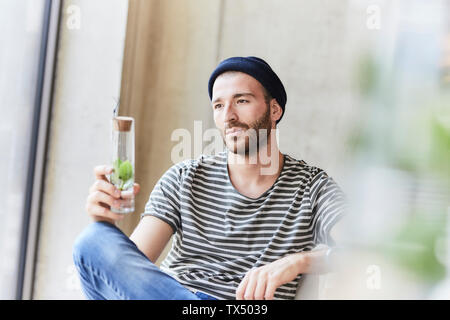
329	204
164	200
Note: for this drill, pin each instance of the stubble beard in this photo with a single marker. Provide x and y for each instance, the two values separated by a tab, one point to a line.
255	135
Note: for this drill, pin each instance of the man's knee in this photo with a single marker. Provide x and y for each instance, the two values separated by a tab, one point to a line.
92	243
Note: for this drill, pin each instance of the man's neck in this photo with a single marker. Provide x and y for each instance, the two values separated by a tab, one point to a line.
265	165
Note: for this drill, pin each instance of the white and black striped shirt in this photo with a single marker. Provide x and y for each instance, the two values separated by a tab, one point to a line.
221	234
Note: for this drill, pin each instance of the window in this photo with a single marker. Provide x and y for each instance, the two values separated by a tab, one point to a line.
24	38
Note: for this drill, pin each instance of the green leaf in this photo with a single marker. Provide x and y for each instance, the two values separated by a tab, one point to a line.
115	179
125	170
117	164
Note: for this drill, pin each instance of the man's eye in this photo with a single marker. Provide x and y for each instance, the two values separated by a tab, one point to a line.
242	101
217	106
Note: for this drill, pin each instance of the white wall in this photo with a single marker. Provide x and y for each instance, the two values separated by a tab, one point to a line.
88	76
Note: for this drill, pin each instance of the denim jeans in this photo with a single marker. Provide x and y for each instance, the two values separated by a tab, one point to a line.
110	266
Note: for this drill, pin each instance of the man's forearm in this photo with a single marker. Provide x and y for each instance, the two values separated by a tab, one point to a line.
315	261
279	272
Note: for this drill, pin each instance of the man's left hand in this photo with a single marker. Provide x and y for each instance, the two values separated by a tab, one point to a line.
261	283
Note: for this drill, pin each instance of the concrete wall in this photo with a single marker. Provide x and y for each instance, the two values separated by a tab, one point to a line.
307	43
89	65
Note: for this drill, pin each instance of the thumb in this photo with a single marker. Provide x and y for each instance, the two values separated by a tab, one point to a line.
136	188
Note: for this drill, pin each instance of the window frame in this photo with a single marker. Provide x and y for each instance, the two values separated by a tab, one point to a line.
36	164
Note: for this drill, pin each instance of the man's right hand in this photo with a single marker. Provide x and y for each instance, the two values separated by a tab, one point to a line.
102	196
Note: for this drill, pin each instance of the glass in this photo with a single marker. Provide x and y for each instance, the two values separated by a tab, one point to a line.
122	176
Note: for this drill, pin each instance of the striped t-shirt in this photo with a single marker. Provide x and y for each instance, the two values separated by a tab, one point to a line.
221	234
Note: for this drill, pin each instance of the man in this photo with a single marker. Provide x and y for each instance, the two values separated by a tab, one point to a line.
245	220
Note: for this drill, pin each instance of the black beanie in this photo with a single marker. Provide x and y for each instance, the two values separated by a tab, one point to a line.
258	69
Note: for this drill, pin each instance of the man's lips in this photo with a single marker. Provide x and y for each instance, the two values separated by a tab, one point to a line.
234	131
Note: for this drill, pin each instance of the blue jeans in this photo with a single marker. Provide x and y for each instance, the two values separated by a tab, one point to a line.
110	266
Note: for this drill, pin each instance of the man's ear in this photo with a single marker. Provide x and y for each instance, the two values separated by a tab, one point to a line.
275	111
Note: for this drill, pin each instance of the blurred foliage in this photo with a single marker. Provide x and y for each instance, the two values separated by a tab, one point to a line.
365	80
427	147
440	144
414	246
418	144
366	75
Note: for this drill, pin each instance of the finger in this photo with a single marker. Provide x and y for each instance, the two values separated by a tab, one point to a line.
101	171
242	286
98	197
270	289
110	214
261	287
137	188
127	194
106	187
250	290
102	210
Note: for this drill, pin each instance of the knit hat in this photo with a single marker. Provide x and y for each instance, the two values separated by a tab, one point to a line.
258	69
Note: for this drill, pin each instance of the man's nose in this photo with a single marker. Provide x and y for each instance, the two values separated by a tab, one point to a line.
230	112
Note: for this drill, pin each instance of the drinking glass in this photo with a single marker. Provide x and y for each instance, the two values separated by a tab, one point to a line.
122	176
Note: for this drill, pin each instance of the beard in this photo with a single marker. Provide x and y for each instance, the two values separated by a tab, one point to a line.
253	138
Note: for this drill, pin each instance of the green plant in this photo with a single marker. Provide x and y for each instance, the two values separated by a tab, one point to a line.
122	176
